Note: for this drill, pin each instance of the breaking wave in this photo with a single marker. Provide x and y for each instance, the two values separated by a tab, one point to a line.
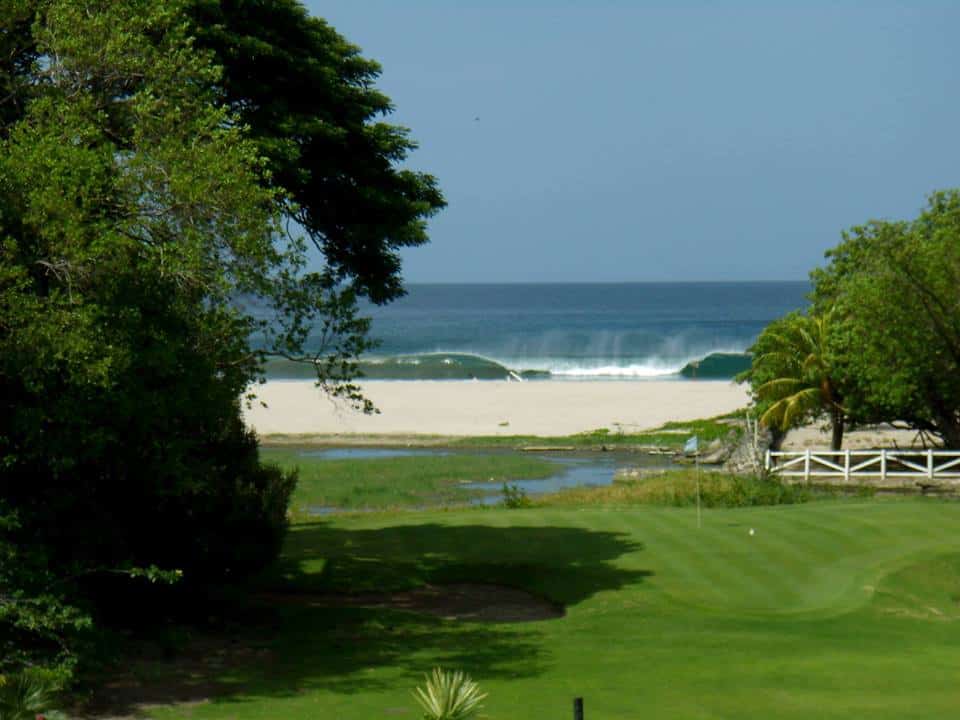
466	366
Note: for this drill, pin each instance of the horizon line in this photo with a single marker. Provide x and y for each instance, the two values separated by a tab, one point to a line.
601	282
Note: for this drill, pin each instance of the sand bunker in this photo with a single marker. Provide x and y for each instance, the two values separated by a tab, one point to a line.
474	602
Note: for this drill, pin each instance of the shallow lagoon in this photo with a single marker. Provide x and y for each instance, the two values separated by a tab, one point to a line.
573	469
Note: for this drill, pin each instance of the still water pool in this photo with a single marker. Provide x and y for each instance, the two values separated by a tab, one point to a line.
583	469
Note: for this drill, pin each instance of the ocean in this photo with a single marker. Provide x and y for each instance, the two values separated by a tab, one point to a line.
621	331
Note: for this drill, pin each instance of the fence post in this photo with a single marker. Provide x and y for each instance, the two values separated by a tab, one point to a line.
806	466
578	709
846	466
883	466
930	464
766	460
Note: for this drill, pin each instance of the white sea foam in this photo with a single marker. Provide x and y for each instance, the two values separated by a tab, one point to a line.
619	371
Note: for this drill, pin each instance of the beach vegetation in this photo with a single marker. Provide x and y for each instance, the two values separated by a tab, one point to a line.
149	176
792	380
668	436
895	345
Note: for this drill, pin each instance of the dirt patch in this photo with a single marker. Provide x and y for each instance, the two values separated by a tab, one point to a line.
185	680
473	602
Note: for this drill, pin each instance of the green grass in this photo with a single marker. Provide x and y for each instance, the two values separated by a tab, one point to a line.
399	482
836	610
679	488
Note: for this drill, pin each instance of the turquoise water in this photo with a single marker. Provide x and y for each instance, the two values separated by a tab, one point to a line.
570	331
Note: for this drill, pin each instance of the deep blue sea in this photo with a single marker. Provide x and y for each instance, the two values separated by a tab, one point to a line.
571	331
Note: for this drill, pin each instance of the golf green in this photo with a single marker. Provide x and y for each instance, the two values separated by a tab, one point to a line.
833	609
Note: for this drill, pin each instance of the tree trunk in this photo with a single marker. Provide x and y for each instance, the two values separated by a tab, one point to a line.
777	436
836	425
950	433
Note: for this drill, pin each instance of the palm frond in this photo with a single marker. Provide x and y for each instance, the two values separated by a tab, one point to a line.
796	356
25	695
789	410
779	388
777	358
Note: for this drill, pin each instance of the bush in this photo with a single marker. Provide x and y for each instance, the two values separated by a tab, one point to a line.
678	488
85	551
719	490
449	696
514	497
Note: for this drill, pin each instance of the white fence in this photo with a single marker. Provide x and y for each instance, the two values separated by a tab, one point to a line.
890	467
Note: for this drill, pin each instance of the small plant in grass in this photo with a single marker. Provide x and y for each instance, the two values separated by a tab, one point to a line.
449	695
515	497
26	696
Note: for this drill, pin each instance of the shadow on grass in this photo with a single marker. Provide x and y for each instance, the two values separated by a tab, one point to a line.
563	564
349	650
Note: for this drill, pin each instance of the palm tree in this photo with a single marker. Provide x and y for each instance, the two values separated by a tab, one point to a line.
791	375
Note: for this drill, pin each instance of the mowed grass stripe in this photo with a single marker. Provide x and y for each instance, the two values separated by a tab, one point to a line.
682	552
707	574
758	577
753	572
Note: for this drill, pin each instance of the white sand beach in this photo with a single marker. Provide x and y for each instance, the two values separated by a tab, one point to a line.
817	437
491	408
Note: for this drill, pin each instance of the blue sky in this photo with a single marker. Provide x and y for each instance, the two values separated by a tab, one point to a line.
662	141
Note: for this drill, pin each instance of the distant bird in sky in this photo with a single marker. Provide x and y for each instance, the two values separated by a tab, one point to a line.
477	119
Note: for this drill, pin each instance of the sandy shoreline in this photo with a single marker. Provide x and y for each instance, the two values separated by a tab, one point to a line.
465	408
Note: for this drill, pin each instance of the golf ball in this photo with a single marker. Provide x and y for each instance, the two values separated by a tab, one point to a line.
751	531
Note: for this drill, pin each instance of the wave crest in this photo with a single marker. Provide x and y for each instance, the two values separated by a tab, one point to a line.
466	366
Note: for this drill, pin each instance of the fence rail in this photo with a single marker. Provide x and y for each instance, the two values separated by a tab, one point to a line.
898	467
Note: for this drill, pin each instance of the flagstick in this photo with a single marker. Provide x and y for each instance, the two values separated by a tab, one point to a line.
697	456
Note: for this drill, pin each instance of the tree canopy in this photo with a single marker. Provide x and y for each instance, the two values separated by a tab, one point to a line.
150	165
896	341
309	99
881	343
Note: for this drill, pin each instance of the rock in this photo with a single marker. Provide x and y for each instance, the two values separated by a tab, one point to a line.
717	457
744	457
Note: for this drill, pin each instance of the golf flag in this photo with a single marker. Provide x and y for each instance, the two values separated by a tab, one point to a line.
692	446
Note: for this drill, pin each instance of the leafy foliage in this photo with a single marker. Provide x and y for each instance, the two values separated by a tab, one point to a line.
146	272
449	695
28	695
896	345
327	148
791	377
515	497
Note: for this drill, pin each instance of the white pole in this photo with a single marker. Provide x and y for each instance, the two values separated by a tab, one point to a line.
697	456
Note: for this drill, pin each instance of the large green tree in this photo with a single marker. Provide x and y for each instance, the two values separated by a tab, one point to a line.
310	101
896	341
144	209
